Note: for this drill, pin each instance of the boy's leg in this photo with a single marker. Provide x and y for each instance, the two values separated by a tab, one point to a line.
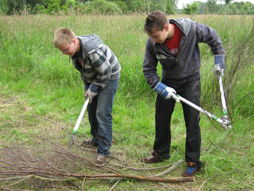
191	92
164	110
92	119
105	101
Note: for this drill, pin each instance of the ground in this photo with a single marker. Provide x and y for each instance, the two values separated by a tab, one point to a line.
41	143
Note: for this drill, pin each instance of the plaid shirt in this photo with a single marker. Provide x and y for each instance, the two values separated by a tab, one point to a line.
96	65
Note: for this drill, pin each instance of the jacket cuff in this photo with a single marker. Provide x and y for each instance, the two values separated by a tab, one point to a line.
154	83
94	89
86	86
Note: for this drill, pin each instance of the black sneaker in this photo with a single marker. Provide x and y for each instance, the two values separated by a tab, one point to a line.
153	158
89	142
192	169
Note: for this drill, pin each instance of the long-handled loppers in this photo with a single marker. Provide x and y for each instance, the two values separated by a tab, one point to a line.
224	120
75	130
223	100
226	124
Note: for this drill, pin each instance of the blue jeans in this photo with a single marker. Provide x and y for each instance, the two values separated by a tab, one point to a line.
100	117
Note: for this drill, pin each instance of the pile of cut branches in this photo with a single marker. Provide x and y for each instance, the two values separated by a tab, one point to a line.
49	161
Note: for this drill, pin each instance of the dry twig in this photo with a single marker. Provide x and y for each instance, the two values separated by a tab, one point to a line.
172	168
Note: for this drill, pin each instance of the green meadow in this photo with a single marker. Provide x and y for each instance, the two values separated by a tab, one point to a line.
40	90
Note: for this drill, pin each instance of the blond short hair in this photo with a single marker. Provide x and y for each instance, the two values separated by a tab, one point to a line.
63	36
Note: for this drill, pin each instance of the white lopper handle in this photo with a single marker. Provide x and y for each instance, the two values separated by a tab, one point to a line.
81	115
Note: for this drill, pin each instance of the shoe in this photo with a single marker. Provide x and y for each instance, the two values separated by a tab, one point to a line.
153	158
192	169
101	159
89	142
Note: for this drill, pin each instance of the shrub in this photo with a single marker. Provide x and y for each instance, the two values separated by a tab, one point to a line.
123	6
14	7
100	7
3	7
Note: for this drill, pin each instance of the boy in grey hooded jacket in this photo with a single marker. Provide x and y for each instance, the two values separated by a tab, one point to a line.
174	43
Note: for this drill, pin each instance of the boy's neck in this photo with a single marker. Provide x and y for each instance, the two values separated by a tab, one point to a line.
77	44
171	30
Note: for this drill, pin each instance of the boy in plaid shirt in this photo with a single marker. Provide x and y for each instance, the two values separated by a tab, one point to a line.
100	72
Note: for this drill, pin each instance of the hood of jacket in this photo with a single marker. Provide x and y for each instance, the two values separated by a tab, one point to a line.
89	43
183	23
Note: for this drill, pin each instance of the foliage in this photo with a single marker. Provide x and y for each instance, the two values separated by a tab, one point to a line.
159	5
171	6
35	6
122	5
167	6
14	6
227	1
3	7
138	5
191	8
100	7
238	8
110	6
211	7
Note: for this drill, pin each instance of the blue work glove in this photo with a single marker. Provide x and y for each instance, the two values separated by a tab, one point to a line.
219	61
165	91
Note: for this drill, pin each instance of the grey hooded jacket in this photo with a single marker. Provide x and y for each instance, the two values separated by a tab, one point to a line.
185	66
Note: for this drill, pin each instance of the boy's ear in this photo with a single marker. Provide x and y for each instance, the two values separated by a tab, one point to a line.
75	41
166	27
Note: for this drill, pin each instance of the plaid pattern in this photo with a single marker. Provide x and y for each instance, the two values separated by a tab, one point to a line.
97	67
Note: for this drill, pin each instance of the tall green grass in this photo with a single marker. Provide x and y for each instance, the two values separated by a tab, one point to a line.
39	74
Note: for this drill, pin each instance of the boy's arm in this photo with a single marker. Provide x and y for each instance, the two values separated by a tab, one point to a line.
150	64
209	36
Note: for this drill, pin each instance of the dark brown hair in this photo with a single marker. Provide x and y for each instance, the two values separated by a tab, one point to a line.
155	19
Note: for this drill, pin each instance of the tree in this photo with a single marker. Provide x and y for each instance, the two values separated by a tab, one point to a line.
171	6
166	6
123	6
100	7
137	6
3	7
191	8
159	5
202	8
227	1
15	6
212	6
